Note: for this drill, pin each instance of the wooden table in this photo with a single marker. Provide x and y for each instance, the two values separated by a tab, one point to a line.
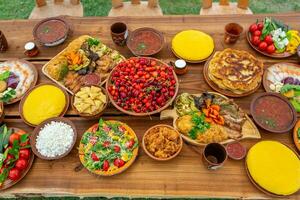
184	176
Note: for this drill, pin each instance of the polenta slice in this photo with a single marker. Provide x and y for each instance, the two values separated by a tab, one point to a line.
274	167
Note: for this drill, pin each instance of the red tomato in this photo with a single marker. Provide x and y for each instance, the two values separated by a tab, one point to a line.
117	149
20	132
105	165
24	153
257	33
119	162
13	137
94	157
271	49
14	174
130	143
253	28
255	40
106	144
21	164
263	46
268	39
260	26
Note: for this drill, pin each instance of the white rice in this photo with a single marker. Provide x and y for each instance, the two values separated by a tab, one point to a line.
54	139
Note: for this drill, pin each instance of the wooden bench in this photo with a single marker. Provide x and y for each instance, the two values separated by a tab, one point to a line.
135	8
224	7
52	8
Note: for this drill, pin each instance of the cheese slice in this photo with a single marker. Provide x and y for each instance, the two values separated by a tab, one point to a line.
274	167
193	45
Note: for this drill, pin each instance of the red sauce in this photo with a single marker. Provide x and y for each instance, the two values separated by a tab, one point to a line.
236	151
145	42
51	31
273	113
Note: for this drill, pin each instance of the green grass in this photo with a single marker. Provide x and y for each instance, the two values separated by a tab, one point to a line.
20	9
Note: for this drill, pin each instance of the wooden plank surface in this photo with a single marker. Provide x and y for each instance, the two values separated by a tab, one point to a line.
185	176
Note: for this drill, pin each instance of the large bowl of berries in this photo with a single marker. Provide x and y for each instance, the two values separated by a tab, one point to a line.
142	86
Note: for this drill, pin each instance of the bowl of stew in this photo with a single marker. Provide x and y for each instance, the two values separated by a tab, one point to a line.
51	31
273	112
145	41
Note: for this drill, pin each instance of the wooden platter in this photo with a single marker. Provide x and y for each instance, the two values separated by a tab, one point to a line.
9	183
35	78
115	172
29	91
250	130
37	130
59	55
295	135
149	113
261	188
274	55
220	90
266	82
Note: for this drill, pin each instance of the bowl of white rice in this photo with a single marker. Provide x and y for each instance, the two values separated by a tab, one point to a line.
54	138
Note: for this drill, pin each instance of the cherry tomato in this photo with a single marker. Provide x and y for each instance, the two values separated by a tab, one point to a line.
105	165
13	137
106	144
14	174
119	162
263	46
21	164
117	149
255	40
260	26
130	143
257	33
24	153
271	49
253	28
94	157
268	39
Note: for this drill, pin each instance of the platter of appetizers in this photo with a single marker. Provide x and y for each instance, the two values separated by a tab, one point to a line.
210	117
17	76
268	159
108	148
16	156
85	61
234	73
273	38
142	86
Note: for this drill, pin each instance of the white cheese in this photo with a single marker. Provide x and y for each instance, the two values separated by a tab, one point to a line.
54	139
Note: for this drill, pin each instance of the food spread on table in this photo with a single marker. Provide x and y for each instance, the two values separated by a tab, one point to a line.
142	85
162	141
16	77
274	167
108	148
43	102
192	45
15	155
210	117
85	61
90	100
272	36
235	71
54	139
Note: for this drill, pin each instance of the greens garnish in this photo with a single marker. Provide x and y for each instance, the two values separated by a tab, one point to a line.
8	95
298	133
93	42
4	75
200	125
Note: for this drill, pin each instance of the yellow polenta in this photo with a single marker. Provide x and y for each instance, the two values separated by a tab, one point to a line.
43	103
192	45
274	167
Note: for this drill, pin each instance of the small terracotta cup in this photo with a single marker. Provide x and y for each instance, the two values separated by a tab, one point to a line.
232	33
3	42
119	33
214	156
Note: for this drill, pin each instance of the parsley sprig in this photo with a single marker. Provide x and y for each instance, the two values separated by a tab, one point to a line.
200	125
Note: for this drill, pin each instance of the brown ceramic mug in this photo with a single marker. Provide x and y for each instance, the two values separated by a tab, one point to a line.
232	33
3	42
214	156
119	33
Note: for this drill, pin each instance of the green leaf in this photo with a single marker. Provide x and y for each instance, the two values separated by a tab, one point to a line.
8	96
4	75
93	42
101	122
298	133
24	138
3	175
